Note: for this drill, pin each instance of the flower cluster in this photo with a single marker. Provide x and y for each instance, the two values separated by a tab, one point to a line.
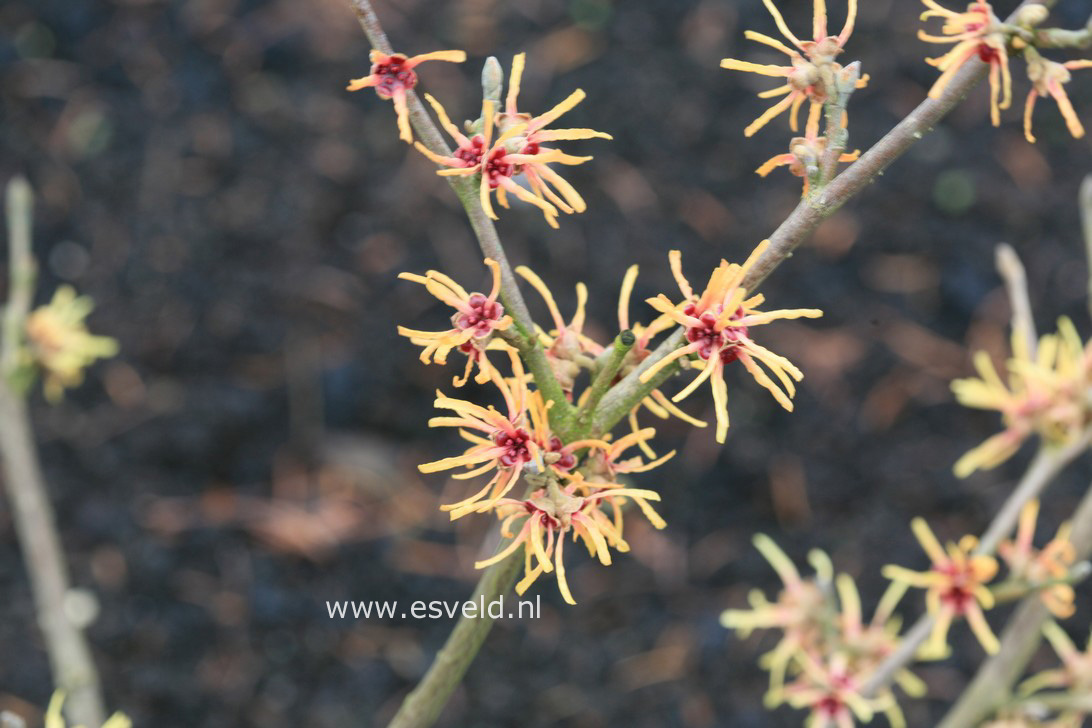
573	480
955	587
1045	395
827	652
978	33
718	325
813	75
59	343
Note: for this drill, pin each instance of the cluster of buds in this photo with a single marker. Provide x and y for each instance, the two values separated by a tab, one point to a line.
977	33
813	75
827	653
958	583
59	344
1046	395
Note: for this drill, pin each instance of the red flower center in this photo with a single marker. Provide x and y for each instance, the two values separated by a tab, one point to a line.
484	314
472	155
545	518
710	340
393	75
988	53
957	594
497	166
515	447
568	460
829	706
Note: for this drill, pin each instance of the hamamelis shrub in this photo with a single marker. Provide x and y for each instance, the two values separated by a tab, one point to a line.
558	434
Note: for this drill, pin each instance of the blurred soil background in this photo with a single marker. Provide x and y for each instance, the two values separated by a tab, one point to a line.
240	220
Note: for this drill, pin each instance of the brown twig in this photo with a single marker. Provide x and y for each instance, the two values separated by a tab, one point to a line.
69	654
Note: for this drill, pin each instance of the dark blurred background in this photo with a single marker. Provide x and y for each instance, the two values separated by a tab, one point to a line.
240	220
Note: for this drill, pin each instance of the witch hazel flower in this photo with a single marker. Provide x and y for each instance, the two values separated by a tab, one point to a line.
718	327
494	160
955	587
59	343
797	612
504	444
810	75
477	317
548	517
1044	395
539	176
517	151
1048	78
393	75
869	644
975	32
656	402
831	692
1045	569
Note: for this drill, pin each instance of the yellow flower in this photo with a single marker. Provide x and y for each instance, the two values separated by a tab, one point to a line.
1048	79
976	32
956	587
1042	566
392	76
1044	396
796	612
552	513
55	719
517	151
656	402
60	343
831	692
504	443
477	316
718	328
810	73
825	640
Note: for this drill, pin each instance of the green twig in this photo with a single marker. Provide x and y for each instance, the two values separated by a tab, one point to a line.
422	706
604	378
